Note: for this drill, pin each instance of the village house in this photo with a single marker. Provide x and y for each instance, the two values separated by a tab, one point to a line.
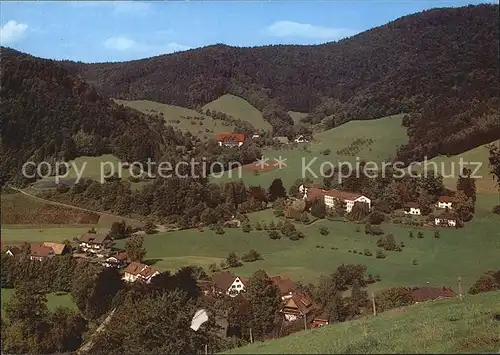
230	139
445	202
330	196
225	282
40	252
59	248
319	320
429	293
281	140
118	260
412	208
445	219
138	272
13	251
301	139
286	287
297	306
255	136
93	242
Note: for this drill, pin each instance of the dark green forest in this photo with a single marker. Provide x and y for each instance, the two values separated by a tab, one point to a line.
440	66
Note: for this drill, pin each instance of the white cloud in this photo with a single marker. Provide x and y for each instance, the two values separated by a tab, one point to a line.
12	32
122	43
119	43
295	29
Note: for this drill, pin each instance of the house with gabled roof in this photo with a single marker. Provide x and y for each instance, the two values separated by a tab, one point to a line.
296	307
286	287
446	219
230	139
429	293
59	248
445	202
332	195
412	208
93	242
225	282
40	252
118	260
138	272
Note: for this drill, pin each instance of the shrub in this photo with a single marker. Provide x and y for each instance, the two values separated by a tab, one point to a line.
378	278
354	251
393	298
415	262
402	244
376	217
358	229
420	234
273	234
436	234
233	260
370	279
490	281
323	231
387	242
410	234
368	253
219	230
380	254
251	256
326	152
258	226
496	209
246	227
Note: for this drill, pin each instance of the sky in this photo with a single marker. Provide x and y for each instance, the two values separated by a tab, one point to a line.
102	31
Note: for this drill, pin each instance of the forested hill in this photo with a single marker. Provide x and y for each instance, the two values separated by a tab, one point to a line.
441	65
47	114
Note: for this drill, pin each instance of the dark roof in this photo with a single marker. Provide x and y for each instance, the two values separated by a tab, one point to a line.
299	302
143	270
284	285
229	137
97	238
429	293
446	199
411	205
223	279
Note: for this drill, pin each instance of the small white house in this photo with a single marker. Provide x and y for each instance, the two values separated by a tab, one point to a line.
445	202
412	208
445	219
227	283
301	139
330	196
139	272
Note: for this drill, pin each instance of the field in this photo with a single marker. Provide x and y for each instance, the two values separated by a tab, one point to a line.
439	327
387	134
296	116
239	108
466	252
53	300
172	114
480	154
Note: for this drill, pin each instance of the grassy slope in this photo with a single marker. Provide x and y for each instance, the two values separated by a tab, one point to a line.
239	108
466	252
480	154
53	300
387	133
449	326
172	112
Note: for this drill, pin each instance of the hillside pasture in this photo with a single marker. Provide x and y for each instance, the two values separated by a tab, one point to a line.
54	300
440	327
387	134
466	252
240	109
180	117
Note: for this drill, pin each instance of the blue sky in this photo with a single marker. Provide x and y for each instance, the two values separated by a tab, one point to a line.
116	31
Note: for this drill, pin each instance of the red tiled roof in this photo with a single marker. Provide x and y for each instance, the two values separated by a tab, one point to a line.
40	250
446	199
428	293
223	137
298	303
343	195
135	268
314	192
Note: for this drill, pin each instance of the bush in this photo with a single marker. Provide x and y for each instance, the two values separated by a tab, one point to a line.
273	234
415	262
219	230
246	227
326	152
490	281
393	298
410	234
258	226
213	268
323	231
233	260
358	229
420	234
378	278
376	217
387	242
436	234
380	254
496	209
251	256
368	253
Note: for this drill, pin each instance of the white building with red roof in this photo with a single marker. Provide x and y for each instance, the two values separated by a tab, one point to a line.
329	196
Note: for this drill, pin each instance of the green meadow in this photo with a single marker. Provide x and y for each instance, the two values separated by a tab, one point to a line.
440	327
54	300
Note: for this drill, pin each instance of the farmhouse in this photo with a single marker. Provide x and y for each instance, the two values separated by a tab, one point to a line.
446	219
445	202
40	252
281	140
301	139
286	287
13	251
59	248
230	139
412	208
297	306
329	196
93	242
118	260
225	282
320	320
429	293
139	272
